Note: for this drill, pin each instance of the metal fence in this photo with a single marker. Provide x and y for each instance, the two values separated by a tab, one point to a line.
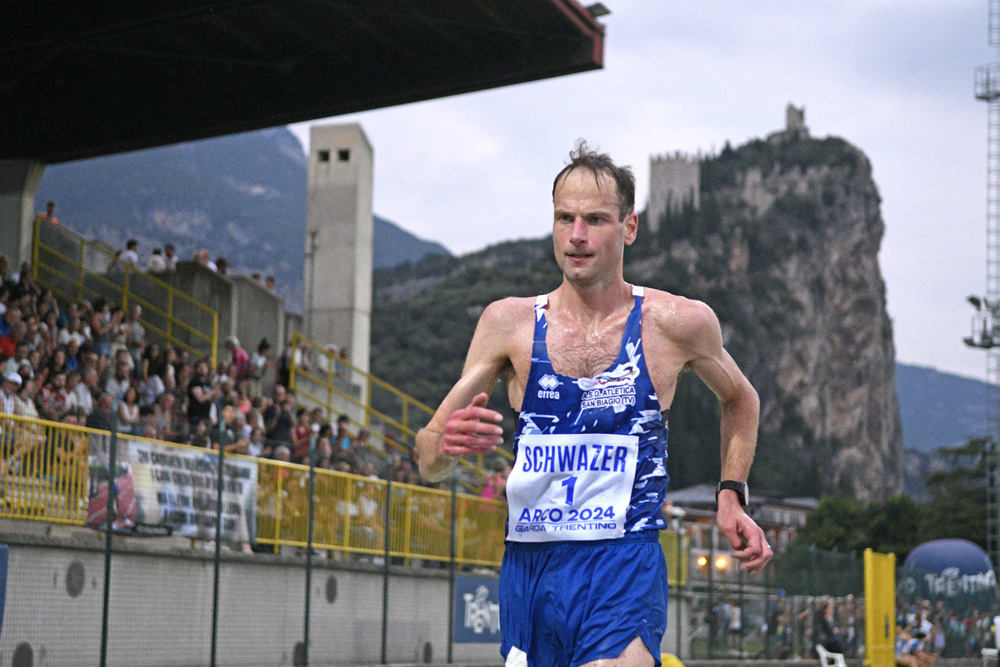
778	613
59	473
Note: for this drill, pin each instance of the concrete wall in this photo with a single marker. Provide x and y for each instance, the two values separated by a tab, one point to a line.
244	308
161	608
260	313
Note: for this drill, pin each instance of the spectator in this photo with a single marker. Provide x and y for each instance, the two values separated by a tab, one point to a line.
157	263
128	412
278	420
269	283
72	331
49	214
100	328
13	364
169	257
131	254
135	338
100	418
342	439
200	395
301	436
495	487
255	369
256	277
222	266
83	391
119	382
72	355
8	389
203	258
54	399
241	360
8	343
342	361
11	317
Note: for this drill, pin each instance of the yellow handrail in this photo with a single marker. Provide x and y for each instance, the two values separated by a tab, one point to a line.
64	275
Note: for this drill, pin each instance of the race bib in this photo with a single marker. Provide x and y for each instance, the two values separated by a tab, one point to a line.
571	487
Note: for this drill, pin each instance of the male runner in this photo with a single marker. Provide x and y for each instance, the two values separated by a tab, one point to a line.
592	368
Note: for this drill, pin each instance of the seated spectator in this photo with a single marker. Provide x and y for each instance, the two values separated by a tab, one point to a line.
8	388
119	382
128	412
163	417
54	398
11	317
13	364
82	391
135	338
72	355
301	436
100	417
342	439
8	343
72	331
156	263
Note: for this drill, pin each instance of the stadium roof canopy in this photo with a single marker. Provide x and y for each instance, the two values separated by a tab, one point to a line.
81	79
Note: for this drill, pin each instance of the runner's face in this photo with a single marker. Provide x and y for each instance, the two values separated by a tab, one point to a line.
587	233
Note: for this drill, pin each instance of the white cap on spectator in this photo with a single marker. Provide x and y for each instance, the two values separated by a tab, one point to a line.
233	340
13	377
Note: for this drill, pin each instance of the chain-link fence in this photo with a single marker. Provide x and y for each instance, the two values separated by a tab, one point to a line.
803	597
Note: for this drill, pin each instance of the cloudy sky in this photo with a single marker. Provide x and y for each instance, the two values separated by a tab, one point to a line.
893	77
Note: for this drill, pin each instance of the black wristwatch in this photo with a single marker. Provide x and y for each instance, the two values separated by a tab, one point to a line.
741	489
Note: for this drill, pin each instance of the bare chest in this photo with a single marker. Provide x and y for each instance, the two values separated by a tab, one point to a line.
578	351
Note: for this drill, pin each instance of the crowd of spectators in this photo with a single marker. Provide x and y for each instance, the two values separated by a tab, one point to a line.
70	364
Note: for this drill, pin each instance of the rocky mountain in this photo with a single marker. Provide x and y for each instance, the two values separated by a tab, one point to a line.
241	196
784	247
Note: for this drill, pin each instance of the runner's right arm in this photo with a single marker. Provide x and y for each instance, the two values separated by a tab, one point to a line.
463	424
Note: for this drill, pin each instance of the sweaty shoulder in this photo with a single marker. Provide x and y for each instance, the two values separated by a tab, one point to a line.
507	314
685	323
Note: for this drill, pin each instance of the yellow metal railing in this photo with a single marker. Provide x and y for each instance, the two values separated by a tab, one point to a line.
43	470
75	269
350	516
45	476
384	405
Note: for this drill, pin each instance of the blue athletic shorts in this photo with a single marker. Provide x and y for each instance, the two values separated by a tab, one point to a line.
568	603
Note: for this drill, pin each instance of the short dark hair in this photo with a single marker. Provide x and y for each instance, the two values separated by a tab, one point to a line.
131	243
601	163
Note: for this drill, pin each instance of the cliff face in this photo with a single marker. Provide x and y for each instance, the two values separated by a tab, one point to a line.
784	248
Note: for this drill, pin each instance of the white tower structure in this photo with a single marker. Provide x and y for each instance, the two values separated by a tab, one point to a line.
338	253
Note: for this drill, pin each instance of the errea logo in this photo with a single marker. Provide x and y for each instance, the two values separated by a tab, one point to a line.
548	384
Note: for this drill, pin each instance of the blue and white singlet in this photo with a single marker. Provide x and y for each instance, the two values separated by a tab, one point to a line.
590	452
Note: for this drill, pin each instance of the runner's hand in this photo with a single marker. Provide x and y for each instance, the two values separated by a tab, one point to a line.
744	535
473	429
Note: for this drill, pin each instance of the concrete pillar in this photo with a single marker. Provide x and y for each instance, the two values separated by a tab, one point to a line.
19	181
337	276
